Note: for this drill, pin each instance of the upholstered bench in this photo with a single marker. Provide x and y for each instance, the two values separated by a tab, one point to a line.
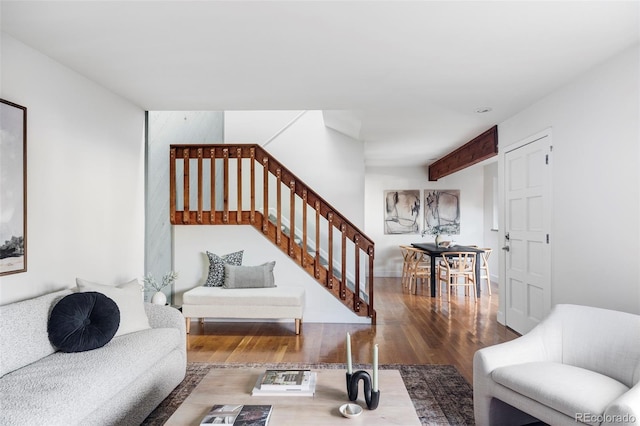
246	303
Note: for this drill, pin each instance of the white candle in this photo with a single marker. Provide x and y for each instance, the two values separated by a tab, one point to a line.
375	368
349	366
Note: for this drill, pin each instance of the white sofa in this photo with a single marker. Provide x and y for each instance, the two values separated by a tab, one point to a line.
117	384
580	365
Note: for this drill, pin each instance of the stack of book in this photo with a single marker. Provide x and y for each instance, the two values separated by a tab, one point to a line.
286	383
238	415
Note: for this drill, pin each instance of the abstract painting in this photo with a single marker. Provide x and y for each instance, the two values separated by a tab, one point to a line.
442	212
13	193
401	211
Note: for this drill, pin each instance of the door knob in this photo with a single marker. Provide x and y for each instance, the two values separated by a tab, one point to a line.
505	248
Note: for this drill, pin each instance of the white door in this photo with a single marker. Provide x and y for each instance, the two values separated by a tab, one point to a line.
527	226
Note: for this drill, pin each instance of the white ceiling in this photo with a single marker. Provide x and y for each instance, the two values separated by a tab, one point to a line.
392	73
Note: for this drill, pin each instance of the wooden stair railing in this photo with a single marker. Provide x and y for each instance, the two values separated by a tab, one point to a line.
316	253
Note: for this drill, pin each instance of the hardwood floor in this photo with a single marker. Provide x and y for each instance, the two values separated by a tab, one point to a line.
411	329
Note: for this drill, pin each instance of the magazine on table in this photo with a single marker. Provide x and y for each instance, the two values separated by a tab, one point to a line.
309	390
238	415
285	379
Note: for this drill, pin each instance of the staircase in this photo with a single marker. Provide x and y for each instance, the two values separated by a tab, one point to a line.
242	184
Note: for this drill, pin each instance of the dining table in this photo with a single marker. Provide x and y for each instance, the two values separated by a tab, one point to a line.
435	251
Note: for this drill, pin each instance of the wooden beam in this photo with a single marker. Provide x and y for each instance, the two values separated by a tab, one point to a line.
476	150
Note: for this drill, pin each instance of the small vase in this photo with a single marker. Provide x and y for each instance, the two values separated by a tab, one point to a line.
438	240
159	298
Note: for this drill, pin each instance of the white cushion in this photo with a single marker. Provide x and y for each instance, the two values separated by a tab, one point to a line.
602	340
128	297
273	296
563	387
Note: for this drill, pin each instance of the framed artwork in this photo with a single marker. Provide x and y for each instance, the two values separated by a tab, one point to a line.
442	212
13	188
401	211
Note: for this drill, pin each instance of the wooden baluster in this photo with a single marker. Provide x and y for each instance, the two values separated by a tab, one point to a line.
370	310
212	154
292	217
200	182
186	210
225	179
252	216
343	281
356	290
278	205
303	260
317	263
265	195
239	168
172	185
330	261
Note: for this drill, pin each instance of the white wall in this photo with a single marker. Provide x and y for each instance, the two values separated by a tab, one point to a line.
596	184
388	260
85	176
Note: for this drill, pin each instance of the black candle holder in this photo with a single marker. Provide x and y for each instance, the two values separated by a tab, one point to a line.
372	398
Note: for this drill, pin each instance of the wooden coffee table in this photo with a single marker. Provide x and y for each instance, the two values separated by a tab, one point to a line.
234	385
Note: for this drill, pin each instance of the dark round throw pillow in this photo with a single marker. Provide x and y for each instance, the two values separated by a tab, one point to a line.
83	321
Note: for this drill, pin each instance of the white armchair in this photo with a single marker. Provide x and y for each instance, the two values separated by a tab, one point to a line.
580	365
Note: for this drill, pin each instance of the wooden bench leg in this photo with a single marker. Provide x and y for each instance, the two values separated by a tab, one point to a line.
298	324
188	320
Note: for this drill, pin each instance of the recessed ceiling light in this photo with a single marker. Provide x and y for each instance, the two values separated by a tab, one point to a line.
482	110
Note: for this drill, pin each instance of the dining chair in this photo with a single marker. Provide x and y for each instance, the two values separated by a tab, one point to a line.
484	267
457	269
407	253
419	268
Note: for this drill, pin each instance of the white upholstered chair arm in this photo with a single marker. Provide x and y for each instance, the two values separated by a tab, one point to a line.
527	348
624	410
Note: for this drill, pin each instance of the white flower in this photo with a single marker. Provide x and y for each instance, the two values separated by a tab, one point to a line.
150	282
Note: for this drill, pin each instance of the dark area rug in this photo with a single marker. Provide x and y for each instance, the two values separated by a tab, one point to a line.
439	393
